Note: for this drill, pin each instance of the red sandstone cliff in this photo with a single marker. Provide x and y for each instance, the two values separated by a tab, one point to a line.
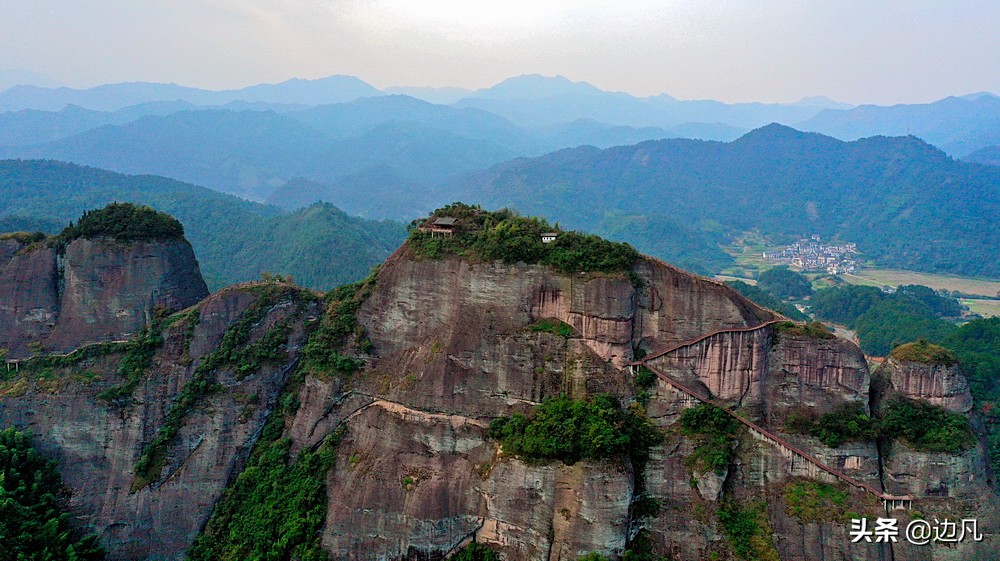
452	348
94	290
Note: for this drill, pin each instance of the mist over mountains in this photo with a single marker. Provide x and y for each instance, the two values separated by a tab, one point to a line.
676	178
529	114
907	203
957	125
111	97
234	240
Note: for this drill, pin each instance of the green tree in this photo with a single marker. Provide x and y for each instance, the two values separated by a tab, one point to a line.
927	427
844	304
977	346
940	305
572	430
897	320
124	222
476	552
33	525
713	431
785	283
505	236
767	300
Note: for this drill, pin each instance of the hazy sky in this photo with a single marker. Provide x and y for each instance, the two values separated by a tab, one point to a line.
865	51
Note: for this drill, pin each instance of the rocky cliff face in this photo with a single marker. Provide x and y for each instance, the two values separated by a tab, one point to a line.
94	290
454	344
98	440
940	384
954	484
29	295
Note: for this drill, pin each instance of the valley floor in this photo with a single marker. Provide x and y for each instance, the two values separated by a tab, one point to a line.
896	277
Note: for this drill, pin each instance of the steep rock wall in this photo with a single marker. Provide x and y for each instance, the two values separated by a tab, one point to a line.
943	385
444	345
97	443
29	295
950	486
97	290
688	527
928	474
677	306
453	347
730	366
814	373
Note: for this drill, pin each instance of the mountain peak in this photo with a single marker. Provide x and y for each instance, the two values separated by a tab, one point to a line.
777	132
537	86
822	102
978	95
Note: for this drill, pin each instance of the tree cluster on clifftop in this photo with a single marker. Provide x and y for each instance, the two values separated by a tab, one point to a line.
505	236
124	222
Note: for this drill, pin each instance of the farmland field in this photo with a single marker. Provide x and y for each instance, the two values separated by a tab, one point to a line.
896	277
985	308
725	278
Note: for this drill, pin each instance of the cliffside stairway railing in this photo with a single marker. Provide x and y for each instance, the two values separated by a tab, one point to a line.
699	339
888	501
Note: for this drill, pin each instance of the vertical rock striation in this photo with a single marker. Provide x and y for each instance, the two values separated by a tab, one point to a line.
456	343
97	442
95	290
940	384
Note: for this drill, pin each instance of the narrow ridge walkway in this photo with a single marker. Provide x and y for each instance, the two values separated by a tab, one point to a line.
697	340
887	499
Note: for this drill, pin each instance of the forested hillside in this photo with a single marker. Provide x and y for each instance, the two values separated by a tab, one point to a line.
989	156
905	203
957	125
251	153
234	240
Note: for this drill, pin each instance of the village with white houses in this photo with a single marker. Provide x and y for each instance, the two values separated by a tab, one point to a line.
810	254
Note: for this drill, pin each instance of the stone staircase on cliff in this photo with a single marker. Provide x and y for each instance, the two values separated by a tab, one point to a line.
815	467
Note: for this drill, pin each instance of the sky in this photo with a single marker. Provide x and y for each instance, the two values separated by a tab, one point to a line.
869	51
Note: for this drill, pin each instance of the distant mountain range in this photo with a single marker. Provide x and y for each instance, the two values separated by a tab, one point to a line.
989	156
536	104
957	125
390	156
234	240
904	202
265	136
252	153
539	101
111	97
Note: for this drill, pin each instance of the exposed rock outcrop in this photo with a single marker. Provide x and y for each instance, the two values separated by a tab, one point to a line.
98	442
455	343
29	295
931	474
94	290
940	384
954	485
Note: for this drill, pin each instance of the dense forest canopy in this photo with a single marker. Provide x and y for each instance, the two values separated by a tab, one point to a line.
33	524
883	321
234	240
905	203
504	235
124	222
784	283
